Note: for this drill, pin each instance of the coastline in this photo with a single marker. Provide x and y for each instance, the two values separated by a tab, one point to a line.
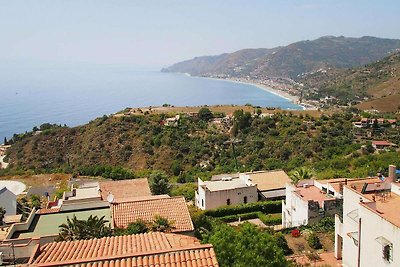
281	93
292	98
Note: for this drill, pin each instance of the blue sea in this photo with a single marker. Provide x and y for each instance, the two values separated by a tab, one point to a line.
74	95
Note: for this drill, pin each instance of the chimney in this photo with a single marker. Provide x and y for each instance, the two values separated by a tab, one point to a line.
392	174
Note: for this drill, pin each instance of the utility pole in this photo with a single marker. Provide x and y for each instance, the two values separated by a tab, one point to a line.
233	142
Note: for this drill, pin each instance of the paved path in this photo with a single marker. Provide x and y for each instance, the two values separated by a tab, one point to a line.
259	223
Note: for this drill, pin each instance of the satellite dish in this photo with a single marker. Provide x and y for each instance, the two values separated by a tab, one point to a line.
110	198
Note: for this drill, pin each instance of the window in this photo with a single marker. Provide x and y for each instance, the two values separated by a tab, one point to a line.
202	203
228	201
387	248
387	252
245	200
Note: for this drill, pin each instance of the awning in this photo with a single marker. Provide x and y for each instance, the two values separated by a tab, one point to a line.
383	241
274	193
353	215
354	236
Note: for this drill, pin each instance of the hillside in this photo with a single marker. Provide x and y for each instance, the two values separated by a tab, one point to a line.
379	82
291	61
196	148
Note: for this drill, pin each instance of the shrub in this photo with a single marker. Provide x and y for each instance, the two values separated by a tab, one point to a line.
313	241
138	227
271	219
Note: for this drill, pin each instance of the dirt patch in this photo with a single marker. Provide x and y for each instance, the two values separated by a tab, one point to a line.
299	245
385	104
40	179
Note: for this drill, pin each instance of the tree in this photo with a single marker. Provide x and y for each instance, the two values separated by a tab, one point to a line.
242	119
300	174
161	224
5	141
137	227
282	243
2	213
35	201
205	114
247	246
159	183
76	229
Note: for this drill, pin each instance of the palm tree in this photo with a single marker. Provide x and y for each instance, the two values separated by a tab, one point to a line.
75	229
300	174
161	224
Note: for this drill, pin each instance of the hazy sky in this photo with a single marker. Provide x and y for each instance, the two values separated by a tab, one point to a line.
159	33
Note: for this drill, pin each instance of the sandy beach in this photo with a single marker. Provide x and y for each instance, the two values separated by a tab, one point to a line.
294	99
264	87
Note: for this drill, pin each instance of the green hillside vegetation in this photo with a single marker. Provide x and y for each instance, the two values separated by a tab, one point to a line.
293	60
378	80
129	146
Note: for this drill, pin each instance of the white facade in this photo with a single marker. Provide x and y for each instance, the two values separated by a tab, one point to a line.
365	237
294	209
8	201
228	191
308	202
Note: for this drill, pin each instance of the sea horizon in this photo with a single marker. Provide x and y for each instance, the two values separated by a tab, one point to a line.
74	95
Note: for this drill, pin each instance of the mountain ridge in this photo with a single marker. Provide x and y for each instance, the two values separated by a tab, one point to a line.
291	61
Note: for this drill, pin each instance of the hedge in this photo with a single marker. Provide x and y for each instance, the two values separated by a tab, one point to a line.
244	216
271	219
264	207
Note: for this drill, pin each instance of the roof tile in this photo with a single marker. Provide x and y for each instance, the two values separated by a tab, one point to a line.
172	208
150	249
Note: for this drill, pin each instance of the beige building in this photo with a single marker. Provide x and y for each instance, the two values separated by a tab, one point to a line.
226	191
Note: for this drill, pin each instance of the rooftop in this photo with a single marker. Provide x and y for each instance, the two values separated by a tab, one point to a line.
83	193
381	200
269	180
47	224
150	249
382	143
173	208
125	188
313	193
225	184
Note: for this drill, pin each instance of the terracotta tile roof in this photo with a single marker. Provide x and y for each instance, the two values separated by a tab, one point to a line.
382	143
151	249
48	211
125	188
172	208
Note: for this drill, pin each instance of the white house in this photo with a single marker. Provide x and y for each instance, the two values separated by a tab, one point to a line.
227	191
8	201
310	200
270	184
368	231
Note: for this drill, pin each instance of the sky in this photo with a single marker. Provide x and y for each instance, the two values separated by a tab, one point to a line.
159	33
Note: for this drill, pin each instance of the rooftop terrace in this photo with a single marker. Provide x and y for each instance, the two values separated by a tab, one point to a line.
47	224
313	193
